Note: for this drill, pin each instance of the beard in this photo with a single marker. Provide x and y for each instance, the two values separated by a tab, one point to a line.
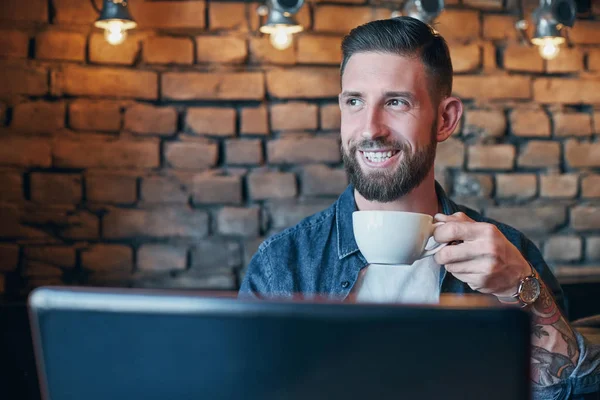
389	185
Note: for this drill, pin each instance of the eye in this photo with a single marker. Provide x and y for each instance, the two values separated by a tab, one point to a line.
398	103
354	102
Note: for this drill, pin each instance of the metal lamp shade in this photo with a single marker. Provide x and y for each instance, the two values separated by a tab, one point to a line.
277	20
115	10
423	10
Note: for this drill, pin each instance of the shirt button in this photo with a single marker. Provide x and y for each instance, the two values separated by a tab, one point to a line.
345	284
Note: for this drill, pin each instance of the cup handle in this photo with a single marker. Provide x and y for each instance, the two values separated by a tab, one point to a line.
437	247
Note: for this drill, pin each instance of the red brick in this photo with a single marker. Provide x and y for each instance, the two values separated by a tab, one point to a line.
532	123
57	45
213	86
22	152
465	58
450	153
103	116
11	184
582	155
568	60
288	212
566	91
489	57
14	43
2	114
110	82
48	257
484	4
211	121
593	248
108	258
303	150
215	254
458	24
485	123
161	258
320	180
294	116
169	14
217	189
18	10
590	186
254	120
522	58
493	87
585	218
63	221
271	185
15	80
520	186
38	117
499	27
73	12
102	52
221	49
563	248
473	185
585	32
540	219
572	124
304	83
55	188
235	221
164	189
263	52
319	50
9	257
148	119
330	116
227	16
559	186
540	154
500	157
196	154
303	17
16	224
340	19
597	122
243	152
106	154
111	189
168	50
156	223
594	60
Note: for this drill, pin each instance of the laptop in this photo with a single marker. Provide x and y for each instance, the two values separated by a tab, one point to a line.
100	343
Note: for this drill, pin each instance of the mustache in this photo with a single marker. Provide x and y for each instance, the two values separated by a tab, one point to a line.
379	143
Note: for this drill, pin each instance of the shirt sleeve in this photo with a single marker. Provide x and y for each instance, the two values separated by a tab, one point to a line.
257	280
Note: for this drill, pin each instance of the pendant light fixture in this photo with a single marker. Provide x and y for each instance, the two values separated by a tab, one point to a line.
423	10
115	20
281	24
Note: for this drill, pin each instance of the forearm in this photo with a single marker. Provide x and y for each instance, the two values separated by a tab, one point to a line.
554	353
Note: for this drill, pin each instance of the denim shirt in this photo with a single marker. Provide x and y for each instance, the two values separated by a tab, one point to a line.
319	257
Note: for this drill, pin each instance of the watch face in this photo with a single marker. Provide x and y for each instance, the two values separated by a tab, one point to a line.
530	290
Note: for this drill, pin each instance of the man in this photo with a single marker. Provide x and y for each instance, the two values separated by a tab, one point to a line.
396	105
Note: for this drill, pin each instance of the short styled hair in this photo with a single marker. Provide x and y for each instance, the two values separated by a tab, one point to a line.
408	37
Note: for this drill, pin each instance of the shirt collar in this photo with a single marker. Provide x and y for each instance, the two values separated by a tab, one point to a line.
346	205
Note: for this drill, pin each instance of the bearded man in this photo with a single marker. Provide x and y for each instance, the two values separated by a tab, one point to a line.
396	105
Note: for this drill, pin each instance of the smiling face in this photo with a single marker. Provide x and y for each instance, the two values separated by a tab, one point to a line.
388	124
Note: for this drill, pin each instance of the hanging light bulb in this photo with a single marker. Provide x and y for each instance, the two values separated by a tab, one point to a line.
423	10
550	18
280	24
281	39
115	20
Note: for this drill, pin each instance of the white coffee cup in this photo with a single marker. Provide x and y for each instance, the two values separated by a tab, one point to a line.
394	237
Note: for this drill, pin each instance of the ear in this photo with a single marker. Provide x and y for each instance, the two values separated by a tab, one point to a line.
450	111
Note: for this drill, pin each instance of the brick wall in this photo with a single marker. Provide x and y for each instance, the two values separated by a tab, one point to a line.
165	161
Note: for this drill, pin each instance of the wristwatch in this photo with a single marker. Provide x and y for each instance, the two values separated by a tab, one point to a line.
528	292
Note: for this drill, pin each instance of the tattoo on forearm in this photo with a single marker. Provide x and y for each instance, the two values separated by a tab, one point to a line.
554	352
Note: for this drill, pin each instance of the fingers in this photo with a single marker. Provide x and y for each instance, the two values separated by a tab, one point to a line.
459	253
456	217
462	231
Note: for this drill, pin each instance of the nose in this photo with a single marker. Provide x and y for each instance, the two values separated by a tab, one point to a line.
374	124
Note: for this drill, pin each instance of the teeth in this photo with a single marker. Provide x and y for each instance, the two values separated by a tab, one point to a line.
377	156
